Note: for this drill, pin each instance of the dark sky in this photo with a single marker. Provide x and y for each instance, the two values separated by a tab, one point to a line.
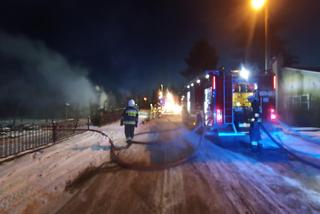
137	44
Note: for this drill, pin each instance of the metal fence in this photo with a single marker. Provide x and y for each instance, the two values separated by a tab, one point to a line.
15	139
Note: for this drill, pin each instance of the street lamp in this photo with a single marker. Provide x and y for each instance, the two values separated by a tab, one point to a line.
257	5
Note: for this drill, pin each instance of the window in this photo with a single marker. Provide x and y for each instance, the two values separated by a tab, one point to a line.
300	102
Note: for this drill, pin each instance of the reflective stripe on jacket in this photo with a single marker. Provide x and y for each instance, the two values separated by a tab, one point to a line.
129	122
130	116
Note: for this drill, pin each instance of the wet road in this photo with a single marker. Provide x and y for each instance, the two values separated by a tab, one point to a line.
214	180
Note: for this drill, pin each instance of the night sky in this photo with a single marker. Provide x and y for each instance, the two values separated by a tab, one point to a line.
134	45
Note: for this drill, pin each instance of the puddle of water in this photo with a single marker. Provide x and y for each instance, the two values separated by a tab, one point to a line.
100	148
94	147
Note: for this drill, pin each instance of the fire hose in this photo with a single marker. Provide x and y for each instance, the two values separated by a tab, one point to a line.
152	167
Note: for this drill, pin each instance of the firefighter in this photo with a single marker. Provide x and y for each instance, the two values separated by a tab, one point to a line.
255	120
130	120
185	114
199	119
199	123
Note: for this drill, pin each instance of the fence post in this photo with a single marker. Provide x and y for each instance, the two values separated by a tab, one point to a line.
88	123
54	131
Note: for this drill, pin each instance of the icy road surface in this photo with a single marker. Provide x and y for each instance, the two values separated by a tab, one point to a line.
214	180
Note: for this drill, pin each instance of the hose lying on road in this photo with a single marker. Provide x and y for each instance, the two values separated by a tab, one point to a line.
155	132
116	159
152	167
288	151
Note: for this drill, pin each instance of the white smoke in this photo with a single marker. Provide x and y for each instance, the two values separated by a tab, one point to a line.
106	100
33	74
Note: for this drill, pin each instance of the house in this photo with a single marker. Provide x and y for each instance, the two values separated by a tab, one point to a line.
298	94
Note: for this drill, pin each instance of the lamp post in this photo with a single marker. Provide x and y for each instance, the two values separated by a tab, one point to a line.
66	110
258	5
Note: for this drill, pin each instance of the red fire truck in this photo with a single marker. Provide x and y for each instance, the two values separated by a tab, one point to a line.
222	97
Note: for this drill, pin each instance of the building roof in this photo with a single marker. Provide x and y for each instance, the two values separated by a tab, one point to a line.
306	68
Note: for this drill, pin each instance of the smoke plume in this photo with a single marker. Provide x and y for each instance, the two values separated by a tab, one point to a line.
36	80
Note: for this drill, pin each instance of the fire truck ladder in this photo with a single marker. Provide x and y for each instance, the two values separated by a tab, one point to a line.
228	109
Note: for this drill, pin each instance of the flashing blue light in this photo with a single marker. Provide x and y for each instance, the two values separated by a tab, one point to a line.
231	134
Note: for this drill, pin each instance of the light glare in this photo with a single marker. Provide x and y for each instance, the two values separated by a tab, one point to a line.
171	106
244	73
258	4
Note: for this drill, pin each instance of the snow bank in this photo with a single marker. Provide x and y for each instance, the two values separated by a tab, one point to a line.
36	179
299	143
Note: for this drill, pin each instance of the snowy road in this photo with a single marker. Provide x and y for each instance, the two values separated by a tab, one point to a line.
304	144
214	180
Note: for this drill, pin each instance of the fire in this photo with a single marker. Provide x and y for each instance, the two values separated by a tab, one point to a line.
170	104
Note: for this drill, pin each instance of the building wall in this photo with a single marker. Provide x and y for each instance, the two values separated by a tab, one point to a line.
299	96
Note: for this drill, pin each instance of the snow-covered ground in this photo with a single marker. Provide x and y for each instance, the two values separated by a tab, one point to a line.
37	180
303	142
215	180
309	133
312	135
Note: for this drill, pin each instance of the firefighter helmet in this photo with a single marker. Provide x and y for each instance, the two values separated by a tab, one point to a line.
131	103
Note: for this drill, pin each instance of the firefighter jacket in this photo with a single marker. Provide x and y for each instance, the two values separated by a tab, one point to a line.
256	114
130	116
255	106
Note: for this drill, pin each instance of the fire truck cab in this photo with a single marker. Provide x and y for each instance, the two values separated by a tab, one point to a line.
222	98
